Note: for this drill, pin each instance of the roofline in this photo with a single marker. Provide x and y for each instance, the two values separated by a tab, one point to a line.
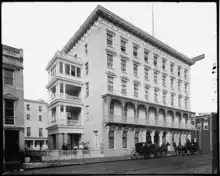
11	48
35	101
100	11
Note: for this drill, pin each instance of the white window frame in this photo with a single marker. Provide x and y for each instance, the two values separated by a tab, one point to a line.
13	77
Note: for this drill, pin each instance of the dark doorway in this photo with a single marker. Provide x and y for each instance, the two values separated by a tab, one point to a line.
148	137
156	138
12	145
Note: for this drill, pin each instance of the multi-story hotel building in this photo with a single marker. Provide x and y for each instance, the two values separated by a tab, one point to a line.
36	122
133	87
13	103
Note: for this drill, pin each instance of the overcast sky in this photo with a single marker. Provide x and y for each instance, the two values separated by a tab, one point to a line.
41	29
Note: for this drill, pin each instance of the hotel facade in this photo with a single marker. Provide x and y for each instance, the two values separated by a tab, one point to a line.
36	122
13	103
132	87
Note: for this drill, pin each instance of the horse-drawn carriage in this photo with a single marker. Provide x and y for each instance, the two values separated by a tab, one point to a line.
144	149
190	148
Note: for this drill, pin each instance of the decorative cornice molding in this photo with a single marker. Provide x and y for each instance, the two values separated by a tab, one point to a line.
111	51
136	62
109	73
136	82
10	96
124	57
125	78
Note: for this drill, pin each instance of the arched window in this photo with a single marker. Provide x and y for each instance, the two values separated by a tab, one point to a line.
124	139
111	139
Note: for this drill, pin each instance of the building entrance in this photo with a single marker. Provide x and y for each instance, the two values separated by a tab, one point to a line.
12	145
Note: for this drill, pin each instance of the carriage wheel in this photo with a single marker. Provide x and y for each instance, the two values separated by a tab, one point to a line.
134	154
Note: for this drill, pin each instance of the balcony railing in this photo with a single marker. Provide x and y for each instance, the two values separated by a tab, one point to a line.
66	97
65	122
133	120
73	122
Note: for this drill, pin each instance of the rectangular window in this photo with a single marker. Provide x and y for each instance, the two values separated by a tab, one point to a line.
172	100
61	67
146	56
28	107
156	95
155	77
179	69
135	50
123	46
179	86
86	49
40	108
78	72
28	131
9	111
110	60
164	64
164	80
186	103
185	74
172	81
87	89
186	88
8	77
135	90
205	126
111	139
146	93
124	139
28	116
110	83
123	65
40	118
124	87
73	70
171	68
155	60
146	70
67	69
40	132
109	39
136	137
179	102
164	97
87	68
135	70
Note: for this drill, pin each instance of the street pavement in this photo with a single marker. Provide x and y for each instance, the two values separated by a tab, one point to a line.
170	165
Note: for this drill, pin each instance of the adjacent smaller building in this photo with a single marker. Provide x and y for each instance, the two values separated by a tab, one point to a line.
203	133
36	122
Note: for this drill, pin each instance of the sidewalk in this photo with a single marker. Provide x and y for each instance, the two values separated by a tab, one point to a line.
60	163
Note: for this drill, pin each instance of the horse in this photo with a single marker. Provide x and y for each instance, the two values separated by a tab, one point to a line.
163	149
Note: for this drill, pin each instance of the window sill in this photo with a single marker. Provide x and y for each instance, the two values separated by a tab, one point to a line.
110	46
114	149
124	52
126	148
124	72
136	57
8	85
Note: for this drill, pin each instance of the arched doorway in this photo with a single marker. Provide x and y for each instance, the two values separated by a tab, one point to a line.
164	138
156	138
148	137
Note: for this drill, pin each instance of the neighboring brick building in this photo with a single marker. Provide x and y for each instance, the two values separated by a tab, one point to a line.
13	103
203	134
36	122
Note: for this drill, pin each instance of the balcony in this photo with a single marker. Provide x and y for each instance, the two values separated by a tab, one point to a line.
65	122
137	121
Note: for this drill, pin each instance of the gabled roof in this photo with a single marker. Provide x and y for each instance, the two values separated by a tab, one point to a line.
100	11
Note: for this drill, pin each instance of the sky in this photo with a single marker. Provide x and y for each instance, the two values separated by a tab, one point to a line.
42	29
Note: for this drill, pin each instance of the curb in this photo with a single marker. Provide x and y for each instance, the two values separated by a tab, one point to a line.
96	162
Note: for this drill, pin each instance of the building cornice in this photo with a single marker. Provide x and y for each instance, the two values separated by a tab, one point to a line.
12	66
102	12
35	101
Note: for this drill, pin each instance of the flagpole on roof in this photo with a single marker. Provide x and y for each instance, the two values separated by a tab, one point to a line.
153	19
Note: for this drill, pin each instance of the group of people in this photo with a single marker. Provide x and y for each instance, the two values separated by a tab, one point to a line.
75	147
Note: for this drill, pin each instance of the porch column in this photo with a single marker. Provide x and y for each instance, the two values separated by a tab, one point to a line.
107	101
152	136
157	116
146	115
58	113
161	138
58	90
144	135
64	69
64	90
